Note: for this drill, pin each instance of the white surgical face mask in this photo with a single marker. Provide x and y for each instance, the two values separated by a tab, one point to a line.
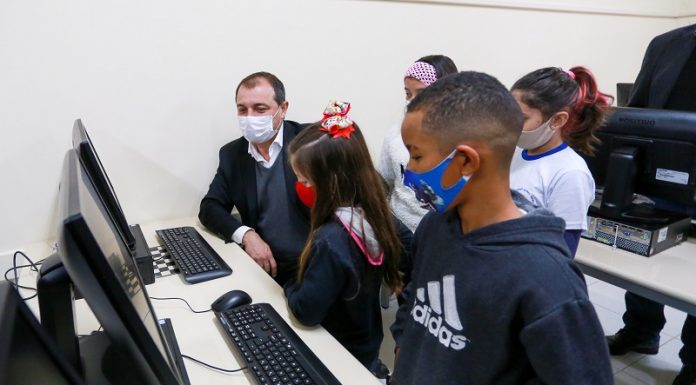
537	137
258	129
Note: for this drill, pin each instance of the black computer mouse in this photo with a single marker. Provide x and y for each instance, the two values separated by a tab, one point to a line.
231	299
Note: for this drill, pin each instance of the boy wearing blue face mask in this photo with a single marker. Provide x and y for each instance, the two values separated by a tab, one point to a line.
494	297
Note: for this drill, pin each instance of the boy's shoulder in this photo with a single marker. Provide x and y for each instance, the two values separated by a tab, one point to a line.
433	222
534	227
529	246
544	277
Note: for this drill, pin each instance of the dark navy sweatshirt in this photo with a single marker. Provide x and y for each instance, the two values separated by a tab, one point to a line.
340	291
500	305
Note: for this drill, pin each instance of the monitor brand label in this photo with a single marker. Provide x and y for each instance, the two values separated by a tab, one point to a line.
672	176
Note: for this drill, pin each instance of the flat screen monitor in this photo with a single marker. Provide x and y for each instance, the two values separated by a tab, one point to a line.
100	266
27	355
648	152
97	174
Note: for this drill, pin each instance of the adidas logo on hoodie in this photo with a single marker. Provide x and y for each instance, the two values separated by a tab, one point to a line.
439	315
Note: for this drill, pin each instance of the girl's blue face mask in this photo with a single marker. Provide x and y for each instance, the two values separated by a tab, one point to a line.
428	186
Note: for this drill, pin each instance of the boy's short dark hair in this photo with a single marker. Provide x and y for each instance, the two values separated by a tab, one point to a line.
253	79
470	106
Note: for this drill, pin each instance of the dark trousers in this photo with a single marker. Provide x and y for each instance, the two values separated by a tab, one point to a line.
645	318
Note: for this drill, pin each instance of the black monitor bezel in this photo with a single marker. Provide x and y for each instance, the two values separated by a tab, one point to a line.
90	272
89	158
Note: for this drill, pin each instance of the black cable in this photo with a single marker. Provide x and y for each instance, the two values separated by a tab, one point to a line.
16	285
33	265
180	299
189	357
12	269
14	264
214	367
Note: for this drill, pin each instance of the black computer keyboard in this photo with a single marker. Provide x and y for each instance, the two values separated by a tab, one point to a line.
274	353
194	257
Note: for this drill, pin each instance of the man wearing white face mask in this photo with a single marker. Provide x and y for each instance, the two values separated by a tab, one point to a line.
254	176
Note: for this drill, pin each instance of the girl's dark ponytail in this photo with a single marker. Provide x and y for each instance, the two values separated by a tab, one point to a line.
588	112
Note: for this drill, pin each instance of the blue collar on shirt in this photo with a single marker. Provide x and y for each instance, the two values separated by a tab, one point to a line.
526	156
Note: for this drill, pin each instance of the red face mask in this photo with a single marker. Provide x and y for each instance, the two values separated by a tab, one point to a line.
307	195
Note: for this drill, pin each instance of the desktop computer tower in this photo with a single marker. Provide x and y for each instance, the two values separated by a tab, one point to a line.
143	256
640	238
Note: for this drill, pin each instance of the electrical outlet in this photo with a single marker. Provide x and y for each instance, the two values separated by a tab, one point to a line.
6	263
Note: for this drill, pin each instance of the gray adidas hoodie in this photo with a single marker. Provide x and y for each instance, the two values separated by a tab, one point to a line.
501	305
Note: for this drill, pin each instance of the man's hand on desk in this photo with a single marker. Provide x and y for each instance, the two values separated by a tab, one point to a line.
259	251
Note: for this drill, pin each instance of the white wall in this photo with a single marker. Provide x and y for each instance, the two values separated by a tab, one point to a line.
650	8
154	80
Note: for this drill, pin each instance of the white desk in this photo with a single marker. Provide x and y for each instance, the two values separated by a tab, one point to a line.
668	277
199	335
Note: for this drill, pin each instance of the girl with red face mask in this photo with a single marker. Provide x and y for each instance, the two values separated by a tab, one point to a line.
354	243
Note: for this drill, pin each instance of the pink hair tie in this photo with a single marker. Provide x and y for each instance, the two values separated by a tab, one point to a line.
570	73
423	72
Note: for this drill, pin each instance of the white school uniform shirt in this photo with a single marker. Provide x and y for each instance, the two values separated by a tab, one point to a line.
557	180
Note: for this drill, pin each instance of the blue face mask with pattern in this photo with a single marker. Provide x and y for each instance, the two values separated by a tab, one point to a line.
428	186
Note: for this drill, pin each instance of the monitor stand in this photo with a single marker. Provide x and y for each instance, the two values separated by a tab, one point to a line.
106	365
170	338
102	363
93	355
617	198
645	214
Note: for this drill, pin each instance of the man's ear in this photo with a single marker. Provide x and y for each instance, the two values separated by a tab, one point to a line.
284	106
468	160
